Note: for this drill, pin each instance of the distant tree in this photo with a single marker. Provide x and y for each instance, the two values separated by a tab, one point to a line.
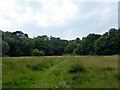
70	47
100	46
5	48
78	41
14	41
35	52
74	52
42	43
19	44
107	44
57	45
88	44
41	53
78	50
118	41
0	43
27	46
1	46
20	34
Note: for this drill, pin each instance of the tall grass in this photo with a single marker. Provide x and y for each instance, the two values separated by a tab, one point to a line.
60	72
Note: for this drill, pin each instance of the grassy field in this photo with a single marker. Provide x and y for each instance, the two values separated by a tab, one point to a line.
60	72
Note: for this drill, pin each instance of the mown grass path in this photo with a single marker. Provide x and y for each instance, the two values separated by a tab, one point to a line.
50	75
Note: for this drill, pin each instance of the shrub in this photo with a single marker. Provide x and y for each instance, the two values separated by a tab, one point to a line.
77	68
41	53
35	52
37	67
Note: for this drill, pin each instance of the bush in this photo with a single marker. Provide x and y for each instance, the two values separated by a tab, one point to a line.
37	67
77	68
41	53
36	52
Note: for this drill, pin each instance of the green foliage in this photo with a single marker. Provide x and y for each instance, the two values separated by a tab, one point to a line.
100	45
74	52
78	50
70	47
37	67
5	48
88	44
60	72
36	52
118	41
19	44
27	46
107	44
41	53
15	42
77	68
0	47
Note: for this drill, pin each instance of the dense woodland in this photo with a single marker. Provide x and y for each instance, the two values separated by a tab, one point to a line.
19	44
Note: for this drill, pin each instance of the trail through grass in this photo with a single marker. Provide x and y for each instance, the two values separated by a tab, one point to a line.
61	72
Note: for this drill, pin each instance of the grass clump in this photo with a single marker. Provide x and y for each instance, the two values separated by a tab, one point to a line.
36	67
117	76
77	68
78	71
108	69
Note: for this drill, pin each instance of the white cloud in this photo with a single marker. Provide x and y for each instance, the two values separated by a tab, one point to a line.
106	14
24	17
3	23
41	19
7	7
56	11
102	14
10	19
51	11
68	18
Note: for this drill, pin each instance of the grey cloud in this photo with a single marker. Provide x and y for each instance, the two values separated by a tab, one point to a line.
78	26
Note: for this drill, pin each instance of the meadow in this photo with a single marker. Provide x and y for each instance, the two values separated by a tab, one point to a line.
60	72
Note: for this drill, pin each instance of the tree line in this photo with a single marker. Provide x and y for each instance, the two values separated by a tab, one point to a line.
19	44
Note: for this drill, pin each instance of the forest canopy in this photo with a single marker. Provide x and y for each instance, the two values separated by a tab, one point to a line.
19	44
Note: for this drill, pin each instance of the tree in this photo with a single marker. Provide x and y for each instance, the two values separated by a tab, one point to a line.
78	50
35	52
27	46
118	41
14	41
20	34
5	48
0	43
42	43
57	45
41	53
107	44
78	41
19	44
70	47
113	41
88	44
100	46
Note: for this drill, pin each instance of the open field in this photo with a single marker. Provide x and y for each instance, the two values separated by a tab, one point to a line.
60	72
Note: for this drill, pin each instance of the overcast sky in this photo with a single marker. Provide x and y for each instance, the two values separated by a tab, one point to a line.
66	19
